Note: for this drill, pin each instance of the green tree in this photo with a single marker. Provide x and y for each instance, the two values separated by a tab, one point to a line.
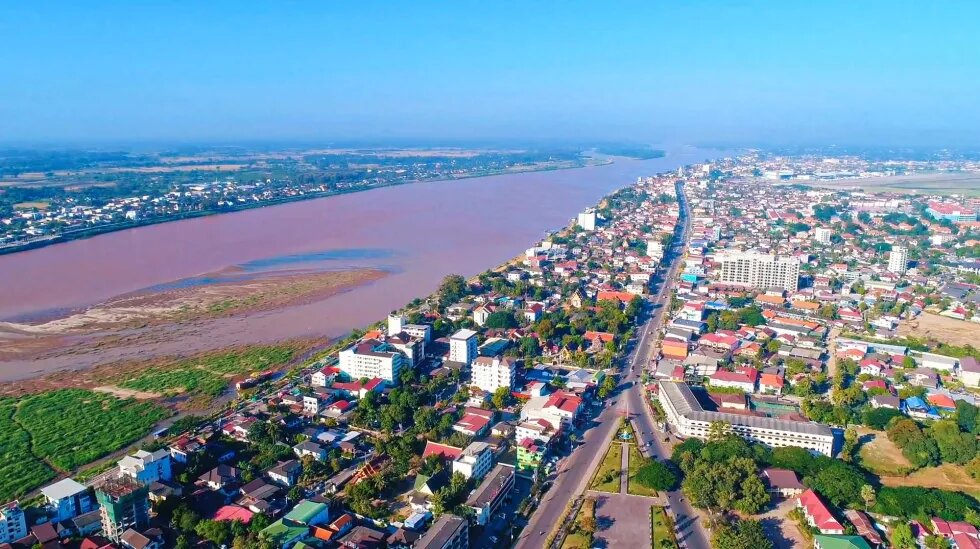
607	387
741	535
452	289
501	320
657	476
902	537
215	531
868	495
501	397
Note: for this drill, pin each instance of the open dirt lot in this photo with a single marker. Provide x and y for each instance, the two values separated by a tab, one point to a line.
941	328
880	455
946	476
938	183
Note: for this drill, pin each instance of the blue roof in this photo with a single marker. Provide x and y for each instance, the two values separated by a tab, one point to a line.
915	402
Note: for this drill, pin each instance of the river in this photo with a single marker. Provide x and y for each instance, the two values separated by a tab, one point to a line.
418	233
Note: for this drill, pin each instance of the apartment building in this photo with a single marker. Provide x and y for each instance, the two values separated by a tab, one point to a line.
898	259
463	347
147	467
449	532
761	271
125	504
492	373
487	498
688	418
822	235
474	461
587	220
372	359
13	524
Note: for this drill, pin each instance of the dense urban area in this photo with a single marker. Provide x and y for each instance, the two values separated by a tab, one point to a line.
760	351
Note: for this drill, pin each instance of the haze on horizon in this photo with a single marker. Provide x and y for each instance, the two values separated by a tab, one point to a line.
881	72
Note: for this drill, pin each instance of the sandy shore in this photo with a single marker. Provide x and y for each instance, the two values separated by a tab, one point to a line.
154	321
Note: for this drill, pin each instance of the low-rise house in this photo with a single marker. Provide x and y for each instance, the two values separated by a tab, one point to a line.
822	541
886	401
285	473
865	527
310	448
782	482
474	461
817	513
448	532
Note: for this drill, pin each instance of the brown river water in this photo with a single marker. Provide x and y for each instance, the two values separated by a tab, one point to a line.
418	233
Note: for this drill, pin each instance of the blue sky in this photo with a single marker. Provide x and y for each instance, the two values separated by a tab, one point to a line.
862	72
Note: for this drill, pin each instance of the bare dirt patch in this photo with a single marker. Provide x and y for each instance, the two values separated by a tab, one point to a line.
946	477
127	393
941	328
935	183
880	455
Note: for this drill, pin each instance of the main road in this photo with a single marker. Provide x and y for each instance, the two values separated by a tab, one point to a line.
576	471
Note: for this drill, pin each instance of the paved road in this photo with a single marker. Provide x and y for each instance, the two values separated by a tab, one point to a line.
574	476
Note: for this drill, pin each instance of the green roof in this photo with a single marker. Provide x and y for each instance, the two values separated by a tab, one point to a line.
305	511
282	531
840	542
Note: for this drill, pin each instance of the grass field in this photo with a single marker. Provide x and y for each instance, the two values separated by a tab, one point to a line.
636	462
576	538
881	456
40	205
946	477
207	375
662	529
63	430
607	477
20	470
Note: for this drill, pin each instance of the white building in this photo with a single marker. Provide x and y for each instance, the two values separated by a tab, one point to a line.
760	271
372	358
688	418
822	235
67	499
493	373
396	324
898	259
475	461
463	346
147	467
13	524
655	249
587	219
538	430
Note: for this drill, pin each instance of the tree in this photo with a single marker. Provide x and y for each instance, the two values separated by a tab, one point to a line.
902	537
501	397
879	418
839	482
217	532
501	320
607	387
718	430
868	495
452	289
657	476
741	535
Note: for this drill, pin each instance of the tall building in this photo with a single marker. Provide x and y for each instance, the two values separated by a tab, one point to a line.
655	248
372	358
67	499
395	324
13	524
587	219
822	235
760	271
147	467
951	211
125	504
463	347
493	373
898	259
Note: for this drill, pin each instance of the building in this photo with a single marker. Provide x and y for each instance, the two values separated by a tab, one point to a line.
970	371
898	259
587	220
487	498
67	499
760	271
782	482
474	461
412	347
449	532
13	524
558	408
372	359
463	347
530	454
817	513
125	504
655	249
822	235
491	374
688	418
822	541
147	467
950	211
